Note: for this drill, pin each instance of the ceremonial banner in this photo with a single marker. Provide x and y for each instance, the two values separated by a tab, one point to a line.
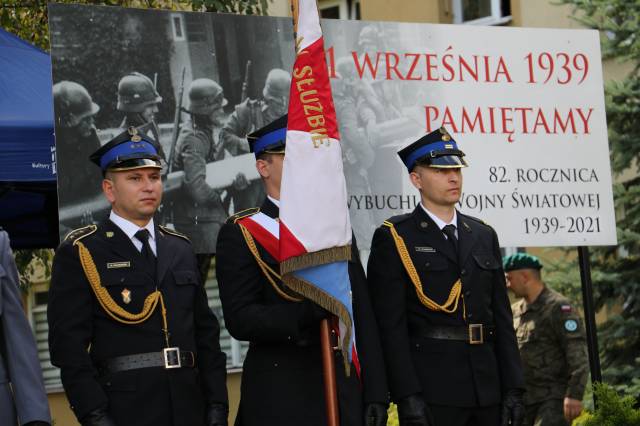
315	231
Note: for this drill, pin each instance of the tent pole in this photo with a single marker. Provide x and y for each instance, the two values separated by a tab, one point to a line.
589	316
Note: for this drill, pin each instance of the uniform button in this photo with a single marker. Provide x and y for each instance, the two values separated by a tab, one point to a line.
487	263
467	293
275	364
108	384
288	337
122	279
417	345
463	272
427	264
470	315
423	224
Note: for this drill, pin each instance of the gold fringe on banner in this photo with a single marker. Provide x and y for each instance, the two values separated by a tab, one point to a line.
317	258
329	303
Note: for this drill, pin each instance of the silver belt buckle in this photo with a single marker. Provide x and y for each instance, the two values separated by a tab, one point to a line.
172	358
476	334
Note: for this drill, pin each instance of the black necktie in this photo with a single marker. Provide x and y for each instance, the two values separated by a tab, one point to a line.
147	254
450	232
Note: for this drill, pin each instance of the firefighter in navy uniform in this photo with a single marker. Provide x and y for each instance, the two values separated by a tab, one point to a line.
438	289
129	323
282	373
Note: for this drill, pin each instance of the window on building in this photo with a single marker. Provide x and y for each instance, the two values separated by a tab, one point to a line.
177	27
481	12
235	350
38	303
339	9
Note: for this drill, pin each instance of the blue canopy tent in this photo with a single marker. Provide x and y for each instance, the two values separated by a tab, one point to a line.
28	200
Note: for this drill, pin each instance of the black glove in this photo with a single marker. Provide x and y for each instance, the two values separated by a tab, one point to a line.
97	417
314	313
37	423
375	414
217	415
513	408
412	411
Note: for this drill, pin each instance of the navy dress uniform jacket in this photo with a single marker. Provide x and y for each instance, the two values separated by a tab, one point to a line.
82	335
446	372
22	393
282	373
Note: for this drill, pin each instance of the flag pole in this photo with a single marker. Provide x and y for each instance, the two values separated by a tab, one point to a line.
329	374
326	347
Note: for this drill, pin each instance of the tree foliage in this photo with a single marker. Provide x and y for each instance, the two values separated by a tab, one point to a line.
613	410
616	278
28	19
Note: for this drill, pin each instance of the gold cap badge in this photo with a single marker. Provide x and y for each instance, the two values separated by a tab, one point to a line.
133	132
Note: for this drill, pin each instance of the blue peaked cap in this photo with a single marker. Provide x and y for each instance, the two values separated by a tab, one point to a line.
132	149
436	149
269	139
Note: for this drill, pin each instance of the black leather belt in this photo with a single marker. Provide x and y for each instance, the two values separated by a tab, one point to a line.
474	334
169	358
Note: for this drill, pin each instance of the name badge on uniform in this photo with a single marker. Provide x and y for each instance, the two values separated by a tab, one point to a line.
118	265
425	249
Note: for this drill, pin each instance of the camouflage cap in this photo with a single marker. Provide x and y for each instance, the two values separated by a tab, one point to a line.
521	261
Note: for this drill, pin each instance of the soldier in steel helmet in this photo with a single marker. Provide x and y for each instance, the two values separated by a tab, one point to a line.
76	139
248	116
198	211
552	345
139	100
357	119
439	293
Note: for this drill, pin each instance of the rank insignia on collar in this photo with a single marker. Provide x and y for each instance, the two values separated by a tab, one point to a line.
109	234
126	296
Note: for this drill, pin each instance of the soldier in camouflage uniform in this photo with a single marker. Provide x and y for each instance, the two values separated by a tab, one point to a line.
197	210
552	345
249	116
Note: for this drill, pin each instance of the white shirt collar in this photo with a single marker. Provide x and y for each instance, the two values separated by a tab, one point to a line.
441	223
274	201
131	228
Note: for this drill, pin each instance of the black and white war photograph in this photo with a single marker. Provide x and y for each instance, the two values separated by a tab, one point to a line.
199	83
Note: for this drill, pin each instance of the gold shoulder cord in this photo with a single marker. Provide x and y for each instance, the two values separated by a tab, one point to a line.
451	305
266	269
109	305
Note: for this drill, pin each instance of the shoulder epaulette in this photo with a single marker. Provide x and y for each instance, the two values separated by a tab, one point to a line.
80	233
242	214
398	219
173	232
475	219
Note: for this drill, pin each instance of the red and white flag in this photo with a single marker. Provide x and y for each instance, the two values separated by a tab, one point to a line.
315	230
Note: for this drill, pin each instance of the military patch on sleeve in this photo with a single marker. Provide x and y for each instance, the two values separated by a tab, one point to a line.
571	325
565	308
